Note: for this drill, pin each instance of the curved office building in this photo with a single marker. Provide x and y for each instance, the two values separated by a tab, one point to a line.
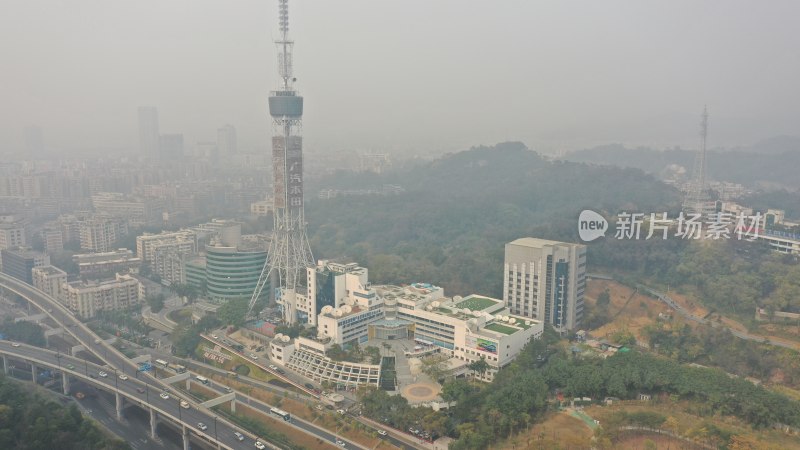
232	273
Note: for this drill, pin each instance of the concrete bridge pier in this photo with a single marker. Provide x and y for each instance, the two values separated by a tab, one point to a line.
33	371
120	403
5	365
185	435
65	383
153	423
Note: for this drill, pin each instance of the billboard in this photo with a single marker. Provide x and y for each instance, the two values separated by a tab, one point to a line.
481	344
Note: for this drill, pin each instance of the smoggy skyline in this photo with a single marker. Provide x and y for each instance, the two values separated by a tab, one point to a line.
411	76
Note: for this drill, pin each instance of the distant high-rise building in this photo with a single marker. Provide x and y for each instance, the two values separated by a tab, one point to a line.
19	263
226	141
100	233
13	234
545	280
34	141
170	147
148	132
138	211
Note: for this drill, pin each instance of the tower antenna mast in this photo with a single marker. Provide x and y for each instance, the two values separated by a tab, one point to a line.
696	196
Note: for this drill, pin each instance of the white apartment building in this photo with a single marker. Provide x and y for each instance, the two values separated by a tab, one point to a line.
545	280
120	260
53	241
12	233
138	211
50	280
88	298
184	241
100	233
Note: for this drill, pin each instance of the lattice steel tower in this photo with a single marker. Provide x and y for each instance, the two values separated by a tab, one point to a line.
696	199
289	251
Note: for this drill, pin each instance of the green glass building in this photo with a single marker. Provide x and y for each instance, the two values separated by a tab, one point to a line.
232	273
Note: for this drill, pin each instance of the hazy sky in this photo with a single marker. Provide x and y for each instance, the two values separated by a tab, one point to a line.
415	75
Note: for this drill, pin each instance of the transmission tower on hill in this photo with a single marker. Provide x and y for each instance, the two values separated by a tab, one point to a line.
697	199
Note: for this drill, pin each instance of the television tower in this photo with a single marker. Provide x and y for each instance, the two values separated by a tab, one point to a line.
289	251
696	196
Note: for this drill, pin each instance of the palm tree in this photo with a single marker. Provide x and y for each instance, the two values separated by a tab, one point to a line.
479	366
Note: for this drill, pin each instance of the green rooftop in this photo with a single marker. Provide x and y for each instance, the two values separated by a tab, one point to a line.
505	329
476	303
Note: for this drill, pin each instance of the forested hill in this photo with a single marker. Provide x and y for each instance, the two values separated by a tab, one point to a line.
451	224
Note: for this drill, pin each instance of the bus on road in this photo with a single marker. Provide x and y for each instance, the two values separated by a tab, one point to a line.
281	413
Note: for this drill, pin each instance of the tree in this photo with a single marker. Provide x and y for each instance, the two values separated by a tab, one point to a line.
233	312
479	366
186	290
156	302
23	331
435	367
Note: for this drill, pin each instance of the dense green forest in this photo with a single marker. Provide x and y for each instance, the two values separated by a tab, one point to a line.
717	347
450	227
518	396
31	421
458	212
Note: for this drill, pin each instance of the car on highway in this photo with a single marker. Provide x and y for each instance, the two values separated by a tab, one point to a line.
260	445
140	390
239	436
281	371
340	443
202	426
164	395
102	374
123	377
15	344
214	336
341	411
273	367
184	404
382	432
309	386
253	356
228	389
70	367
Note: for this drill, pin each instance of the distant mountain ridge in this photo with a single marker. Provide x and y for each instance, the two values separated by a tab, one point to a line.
769	164
457	213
